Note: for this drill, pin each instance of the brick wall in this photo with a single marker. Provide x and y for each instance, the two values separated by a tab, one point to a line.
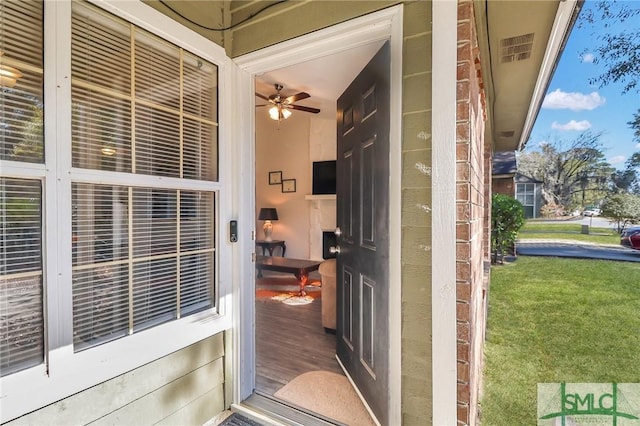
504	186
471	243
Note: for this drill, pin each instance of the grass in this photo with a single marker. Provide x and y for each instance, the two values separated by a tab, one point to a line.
553	320
567	231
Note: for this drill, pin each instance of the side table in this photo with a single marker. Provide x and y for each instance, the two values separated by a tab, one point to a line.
270	245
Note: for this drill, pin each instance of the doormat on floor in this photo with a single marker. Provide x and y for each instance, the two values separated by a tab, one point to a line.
237	420
326	393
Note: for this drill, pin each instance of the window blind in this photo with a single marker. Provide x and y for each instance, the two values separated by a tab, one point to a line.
21	84
143	254
21	292
21	140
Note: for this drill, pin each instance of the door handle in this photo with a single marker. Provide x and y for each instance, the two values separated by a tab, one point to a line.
338	231
334	250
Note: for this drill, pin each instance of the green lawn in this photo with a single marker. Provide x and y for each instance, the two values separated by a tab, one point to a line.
555	320
567	231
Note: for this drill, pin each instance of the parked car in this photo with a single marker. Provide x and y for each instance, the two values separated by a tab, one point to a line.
630	237
592	211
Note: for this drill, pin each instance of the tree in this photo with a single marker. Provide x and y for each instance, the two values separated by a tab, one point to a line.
619	54
507	217
573	173
622	208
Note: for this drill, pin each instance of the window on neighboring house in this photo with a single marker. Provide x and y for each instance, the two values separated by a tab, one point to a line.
525	193
142	191
22	333
143	253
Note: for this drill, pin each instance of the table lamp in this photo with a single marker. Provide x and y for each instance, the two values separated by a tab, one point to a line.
268	214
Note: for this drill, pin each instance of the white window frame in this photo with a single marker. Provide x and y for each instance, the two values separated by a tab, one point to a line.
521	190
65	372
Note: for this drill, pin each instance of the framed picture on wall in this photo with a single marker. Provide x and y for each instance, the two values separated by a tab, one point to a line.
288	185
275	178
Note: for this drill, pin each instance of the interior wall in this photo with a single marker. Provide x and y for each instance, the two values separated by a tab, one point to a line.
285	149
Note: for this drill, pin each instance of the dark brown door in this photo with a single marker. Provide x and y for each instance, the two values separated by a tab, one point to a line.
363	219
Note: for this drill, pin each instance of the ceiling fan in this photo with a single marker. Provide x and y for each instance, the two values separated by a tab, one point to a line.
280	105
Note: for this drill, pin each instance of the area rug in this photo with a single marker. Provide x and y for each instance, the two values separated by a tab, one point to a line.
286	290
329	394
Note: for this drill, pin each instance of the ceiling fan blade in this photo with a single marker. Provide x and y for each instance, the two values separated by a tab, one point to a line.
263	105
304	108
296	97
262	96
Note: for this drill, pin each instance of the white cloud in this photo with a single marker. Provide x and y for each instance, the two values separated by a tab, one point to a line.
618	159
638	145
572	100
542	144
588	57
571	125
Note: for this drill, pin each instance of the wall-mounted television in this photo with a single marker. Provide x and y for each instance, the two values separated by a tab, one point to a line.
324	177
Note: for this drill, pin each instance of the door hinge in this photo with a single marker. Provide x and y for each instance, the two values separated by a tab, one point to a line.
253	257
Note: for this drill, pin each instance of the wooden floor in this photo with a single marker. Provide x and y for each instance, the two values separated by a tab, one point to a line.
290	340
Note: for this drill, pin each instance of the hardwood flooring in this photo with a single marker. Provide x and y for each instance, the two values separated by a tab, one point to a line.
290	340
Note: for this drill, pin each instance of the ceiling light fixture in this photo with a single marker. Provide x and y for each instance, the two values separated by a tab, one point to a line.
277	112
8	75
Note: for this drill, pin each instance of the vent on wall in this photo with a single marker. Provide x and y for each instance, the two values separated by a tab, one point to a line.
507	134
516	48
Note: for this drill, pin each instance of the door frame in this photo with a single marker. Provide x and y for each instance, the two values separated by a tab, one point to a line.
382	25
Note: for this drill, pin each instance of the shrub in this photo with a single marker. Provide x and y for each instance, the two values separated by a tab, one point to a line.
507	217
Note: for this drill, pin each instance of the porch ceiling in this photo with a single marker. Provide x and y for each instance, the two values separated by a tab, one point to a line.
520	44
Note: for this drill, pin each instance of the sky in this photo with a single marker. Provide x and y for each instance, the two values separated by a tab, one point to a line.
572	105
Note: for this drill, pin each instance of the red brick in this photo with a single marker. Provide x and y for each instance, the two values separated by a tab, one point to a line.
464	10
462	90
462	132
464	30
462	231
462	192
462	350
462	311
463	414
463	70
462	172
462	111
463	272
463	251
463	291
463	372
463	393
462	151
462	331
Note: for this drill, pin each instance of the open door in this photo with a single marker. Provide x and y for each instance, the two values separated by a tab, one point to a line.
362	273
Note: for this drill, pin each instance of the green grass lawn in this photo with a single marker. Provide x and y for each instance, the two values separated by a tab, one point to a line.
557	320
567	231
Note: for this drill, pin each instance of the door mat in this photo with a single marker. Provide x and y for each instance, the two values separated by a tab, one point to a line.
326	393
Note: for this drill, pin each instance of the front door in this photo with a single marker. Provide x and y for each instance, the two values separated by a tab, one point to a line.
363	219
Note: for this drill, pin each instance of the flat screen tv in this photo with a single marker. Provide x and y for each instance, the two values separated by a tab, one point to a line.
324	177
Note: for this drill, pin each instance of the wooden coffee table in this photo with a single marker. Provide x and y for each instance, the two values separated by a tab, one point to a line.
299	267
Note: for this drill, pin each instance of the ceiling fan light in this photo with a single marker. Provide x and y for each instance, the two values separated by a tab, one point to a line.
274	113
9	76
286	113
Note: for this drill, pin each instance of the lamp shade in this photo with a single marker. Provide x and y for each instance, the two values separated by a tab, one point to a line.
268	214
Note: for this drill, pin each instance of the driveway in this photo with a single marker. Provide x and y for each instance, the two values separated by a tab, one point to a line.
575	249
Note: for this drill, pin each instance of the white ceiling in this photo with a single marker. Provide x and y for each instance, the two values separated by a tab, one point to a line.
325	78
